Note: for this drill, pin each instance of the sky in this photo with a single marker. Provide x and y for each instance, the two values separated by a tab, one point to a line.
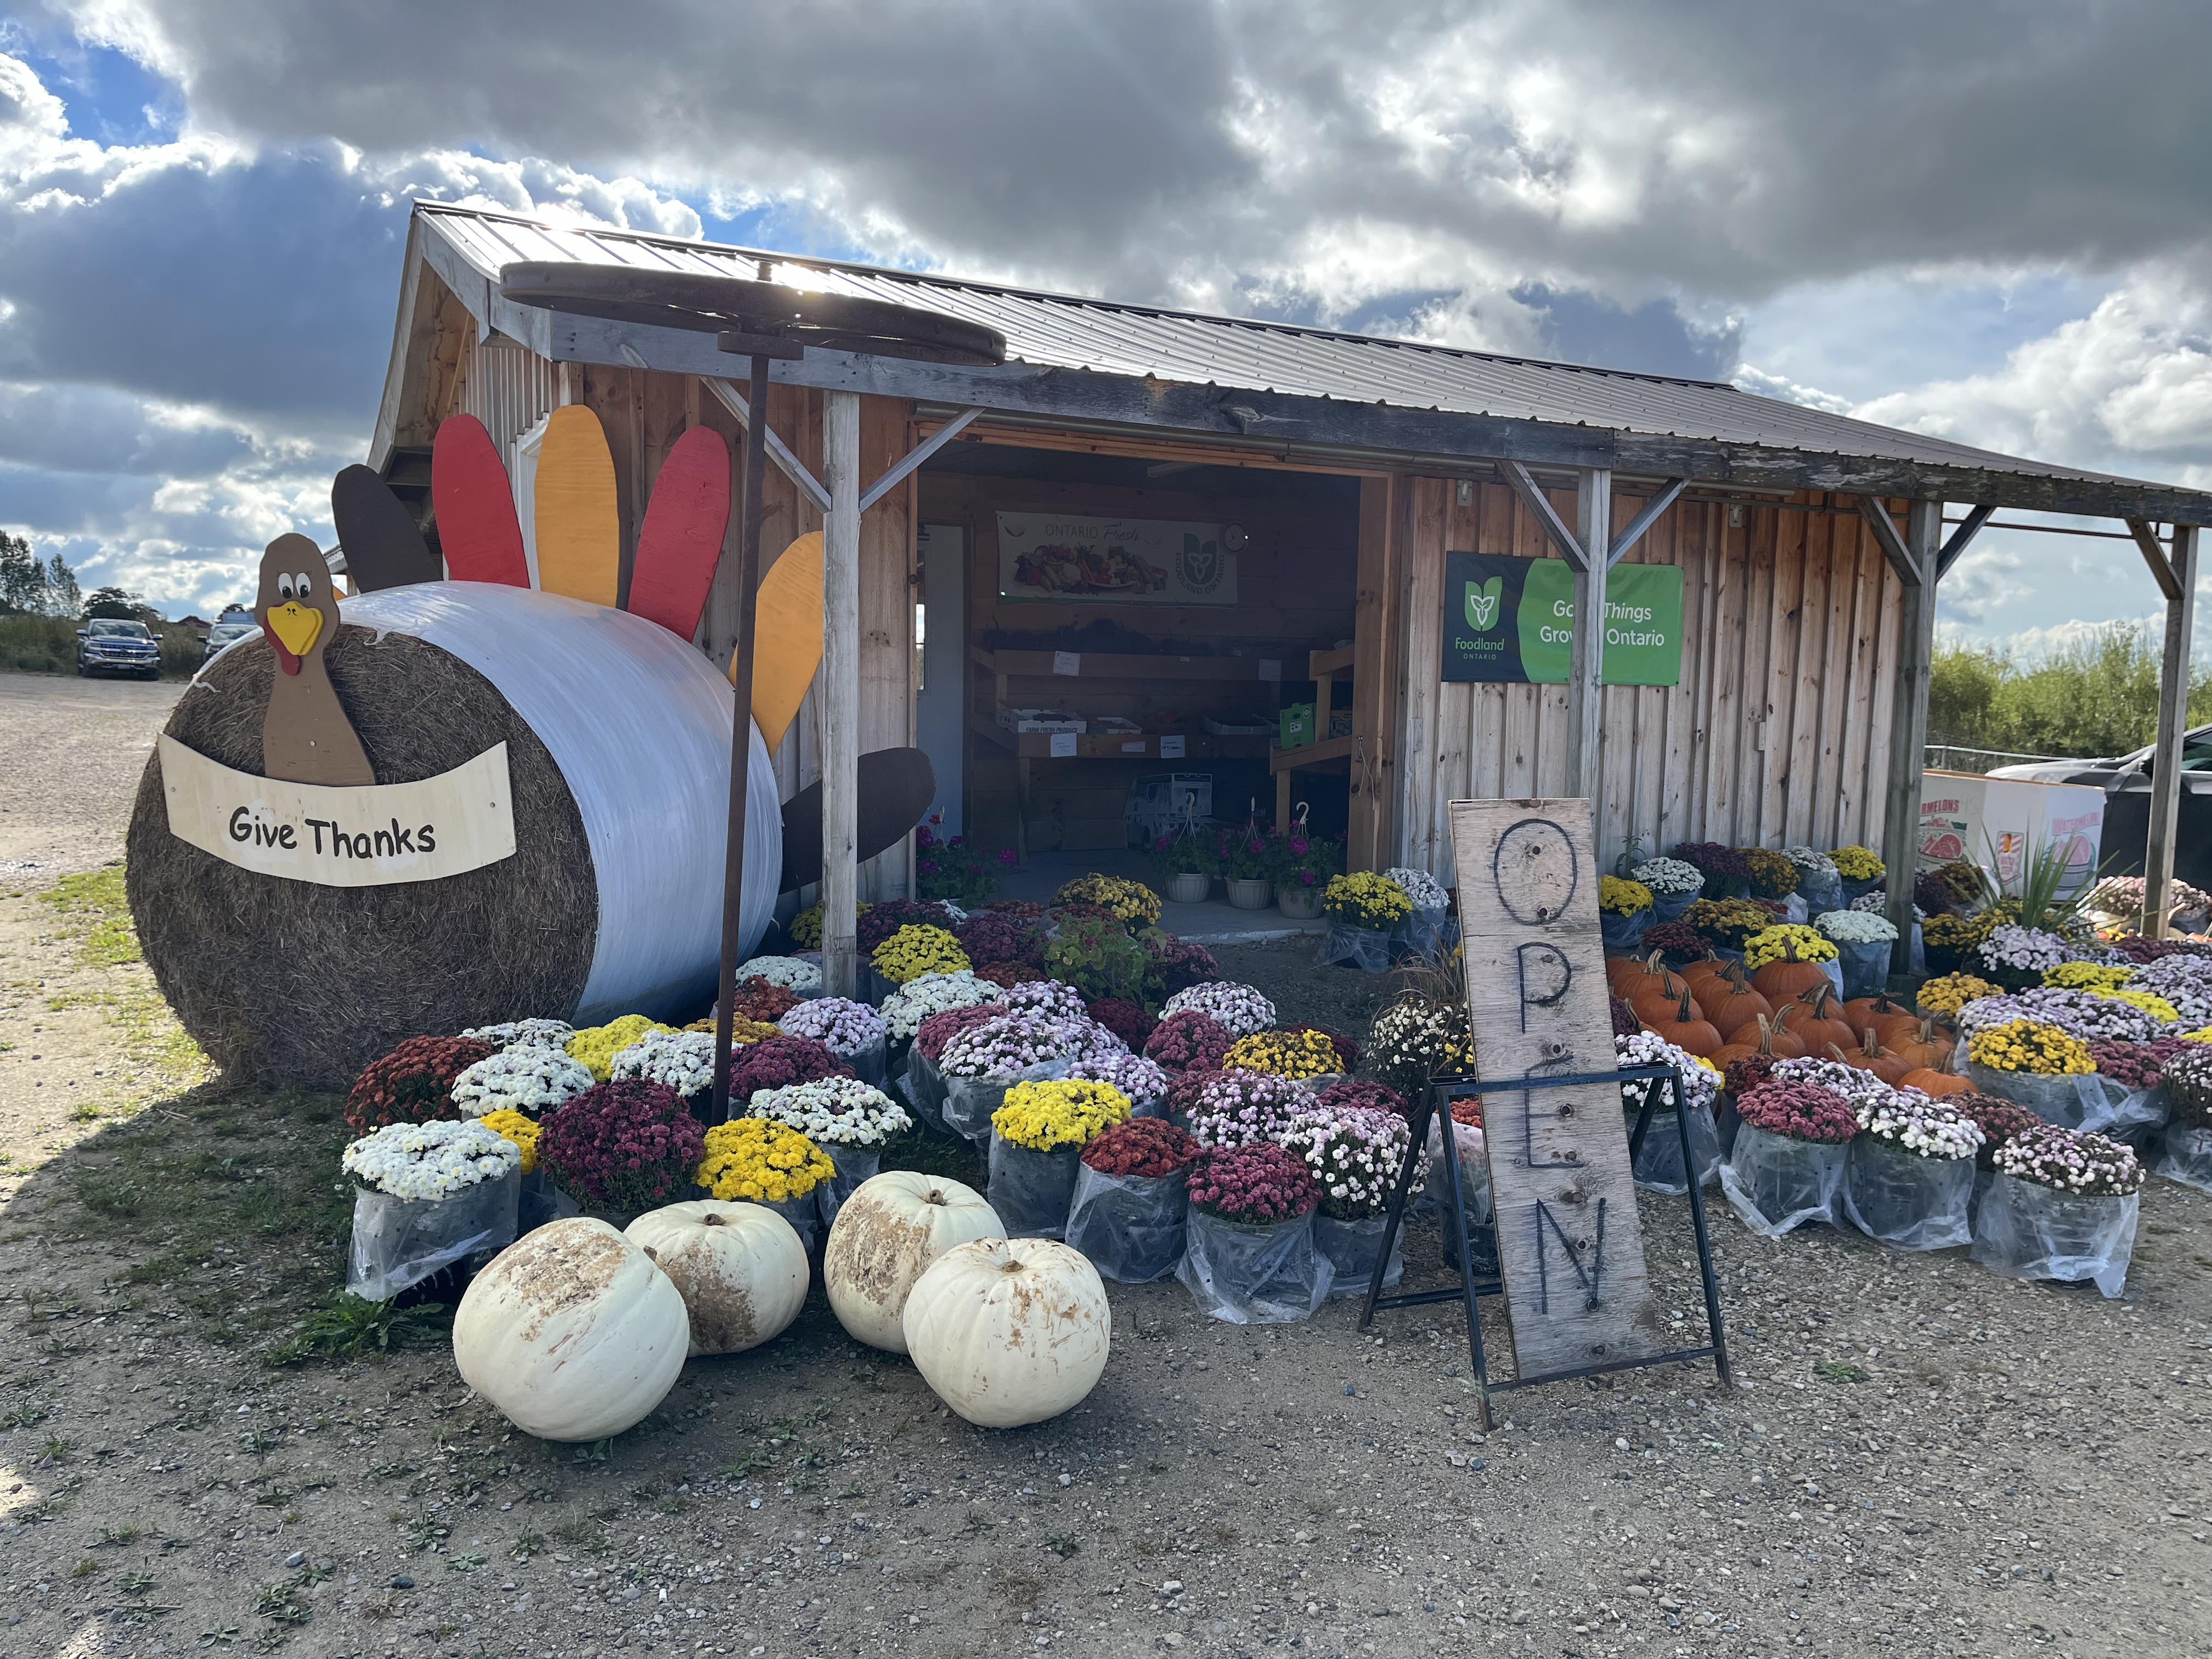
1982	218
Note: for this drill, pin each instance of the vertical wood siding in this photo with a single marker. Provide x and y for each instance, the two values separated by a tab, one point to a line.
1777	733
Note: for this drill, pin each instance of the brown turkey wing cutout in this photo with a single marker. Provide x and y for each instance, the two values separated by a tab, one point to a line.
306	737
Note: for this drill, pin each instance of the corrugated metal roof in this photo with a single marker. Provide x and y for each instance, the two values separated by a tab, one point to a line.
1070	331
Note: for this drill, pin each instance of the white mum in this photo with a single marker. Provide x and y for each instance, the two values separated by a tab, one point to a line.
842	1110
518	1033
430	1160
1424	889
905	1009
789	972
683	1061
1670	878
1856	927
525	1078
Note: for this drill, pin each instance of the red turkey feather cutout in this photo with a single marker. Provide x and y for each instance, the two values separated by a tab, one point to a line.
682	539
475	506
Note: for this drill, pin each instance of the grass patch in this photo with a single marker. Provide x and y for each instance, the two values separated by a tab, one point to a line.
348	1326
94	914
1838	1371
92	906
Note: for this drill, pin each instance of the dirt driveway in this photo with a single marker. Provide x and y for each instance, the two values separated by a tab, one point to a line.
75	749
1921	1460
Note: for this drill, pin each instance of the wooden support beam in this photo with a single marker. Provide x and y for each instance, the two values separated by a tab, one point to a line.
1961	539
897	473
2146	535
1526	487
2172	721
1586	670
841	691
1908	724
1909	567
1633	532
778	451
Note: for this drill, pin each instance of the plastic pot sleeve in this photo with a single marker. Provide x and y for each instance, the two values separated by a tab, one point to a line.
399	1242
873	1062
1776	1185
1668	907
1623	934
969	1100
1473	1169
1351	1247
1659	1160
1864	965
2069	1100
855	1165
1367	949
1904	1201
2026	1231
1794	910
923	1085
1420	935
1834	968
2187	1157
1251	1274
804	1214
1031	1190
1821	889
1130	1226
1855	890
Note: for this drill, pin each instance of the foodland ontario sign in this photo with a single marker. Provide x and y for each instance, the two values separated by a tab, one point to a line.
1513	619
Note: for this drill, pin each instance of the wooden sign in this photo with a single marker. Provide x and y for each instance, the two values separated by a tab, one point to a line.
681	541
1569	1243
578	521
306	735
368	836
383	548
788	637
478	529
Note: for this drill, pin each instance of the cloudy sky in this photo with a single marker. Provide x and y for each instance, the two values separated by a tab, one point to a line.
1985	218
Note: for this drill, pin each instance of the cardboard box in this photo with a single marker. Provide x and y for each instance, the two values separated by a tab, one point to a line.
1039	719
1963	815
1297	721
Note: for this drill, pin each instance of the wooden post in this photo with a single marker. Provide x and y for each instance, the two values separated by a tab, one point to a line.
2173	721
840	689
1586	674
1908	723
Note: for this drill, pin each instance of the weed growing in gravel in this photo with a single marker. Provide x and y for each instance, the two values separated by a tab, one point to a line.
92	906
1837	1370
348	1326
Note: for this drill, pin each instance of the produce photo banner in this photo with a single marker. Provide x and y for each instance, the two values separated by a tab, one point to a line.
1050	559
369	835
1513	619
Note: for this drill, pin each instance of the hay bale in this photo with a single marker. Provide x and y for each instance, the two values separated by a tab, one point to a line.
290	981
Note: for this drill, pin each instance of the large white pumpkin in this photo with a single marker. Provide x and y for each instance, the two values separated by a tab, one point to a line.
1009	1331
740	1268
572	1332
892	1227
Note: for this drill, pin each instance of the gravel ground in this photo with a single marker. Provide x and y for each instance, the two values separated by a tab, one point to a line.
79	748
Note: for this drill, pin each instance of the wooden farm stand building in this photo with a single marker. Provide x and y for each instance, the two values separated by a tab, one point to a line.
1343	471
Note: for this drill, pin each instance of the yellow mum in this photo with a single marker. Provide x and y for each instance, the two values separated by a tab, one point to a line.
1366	900
1772	945
1858	863
2099	977
1622	896
1284	1054
1060	1113
1953	992
595	1046
2031	1047
917	949
2149	1001
761	1162
805	928
742	1030
518	1128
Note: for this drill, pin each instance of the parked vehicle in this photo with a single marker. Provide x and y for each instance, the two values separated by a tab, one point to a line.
108	645
2126	782
225	633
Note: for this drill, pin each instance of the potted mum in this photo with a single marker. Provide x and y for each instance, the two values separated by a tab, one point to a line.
779	1062
1624	914
1818	883
1940	999
980	1062
596	1046
916	949
1786	1165
1305	1055
754	1160
426	1195
1361	910
1142	1080
2062	1205
847	1119
1726	871
925	1083
1862	939
1236	1109
619	1148
413	1084
1037	1134
852	1030
1417	1038
1908	1172
1307	866
1659	1164
1675	886
1424	933
1130	1201
1355	1154
1186	1039
1861	869
1248	1255
1186	859
2033	1062
1240	1010
2187	1157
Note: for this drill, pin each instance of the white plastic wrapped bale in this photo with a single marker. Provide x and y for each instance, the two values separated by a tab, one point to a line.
617	744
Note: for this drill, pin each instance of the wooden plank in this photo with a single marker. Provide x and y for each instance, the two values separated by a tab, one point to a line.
1646	516
686	518
1378	620
888	588
2161	572
383	547
1586	665
1902	559
1423	714
1678	768
1908	734
2172	719
1570	1242
478	532
1808	663
578	524
1961	539
1888	628
840	692
1834	717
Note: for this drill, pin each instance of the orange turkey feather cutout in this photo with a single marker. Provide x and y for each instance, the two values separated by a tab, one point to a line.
477	529
786	637
578	518
682	538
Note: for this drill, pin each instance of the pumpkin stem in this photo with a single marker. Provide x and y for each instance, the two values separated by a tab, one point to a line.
712	1219
1766	1036
1840	1054
1869	1046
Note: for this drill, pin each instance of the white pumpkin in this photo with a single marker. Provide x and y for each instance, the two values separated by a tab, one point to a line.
572	1332
892	1227
1009	1331
740	1268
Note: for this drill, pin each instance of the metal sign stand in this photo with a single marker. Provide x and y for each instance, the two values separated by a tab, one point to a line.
1470	1290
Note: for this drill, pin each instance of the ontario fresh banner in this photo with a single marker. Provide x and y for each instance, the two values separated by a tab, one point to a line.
1044	557
1513	619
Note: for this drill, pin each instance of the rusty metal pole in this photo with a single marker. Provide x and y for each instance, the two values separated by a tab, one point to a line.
741	733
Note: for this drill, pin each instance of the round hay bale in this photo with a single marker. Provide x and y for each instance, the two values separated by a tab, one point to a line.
617	738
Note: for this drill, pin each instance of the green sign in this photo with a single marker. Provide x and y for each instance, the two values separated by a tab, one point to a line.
1513	619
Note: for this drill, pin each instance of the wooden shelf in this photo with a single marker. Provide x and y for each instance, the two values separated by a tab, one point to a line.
1319	663
1100	745
1114	665
1311	754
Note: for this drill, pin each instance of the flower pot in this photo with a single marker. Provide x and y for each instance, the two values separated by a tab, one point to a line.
804	1214
1248	894
1130	1226
2023	1230
2187	1157
1190	889
1777	1185
1032	1190
2069	1100
855	1165
1367	949
1353	1249
399	1242
1659	1160
1907	1201
1621	935
1253	1273
1299	903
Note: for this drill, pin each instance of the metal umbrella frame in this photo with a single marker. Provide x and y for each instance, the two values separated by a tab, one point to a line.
764	321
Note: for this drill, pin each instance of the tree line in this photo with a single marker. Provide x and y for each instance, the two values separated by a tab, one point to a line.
2094	698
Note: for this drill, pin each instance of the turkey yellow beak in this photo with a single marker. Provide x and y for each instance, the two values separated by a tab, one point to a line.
295	625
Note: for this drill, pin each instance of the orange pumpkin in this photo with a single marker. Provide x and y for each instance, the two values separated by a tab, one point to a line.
1729	1002
1687	1029
1863	1011
1811	1019
1921	1046
1657	1002
1760	1036
1932	1082
1649	974
1704	969
1789	975
1871	1056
